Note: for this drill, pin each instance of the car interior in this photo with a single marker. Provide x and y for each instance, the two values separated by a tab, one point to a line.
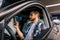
22	17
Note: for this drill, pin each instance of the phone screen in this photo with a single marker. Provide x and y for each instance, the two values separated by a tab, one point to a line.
18	18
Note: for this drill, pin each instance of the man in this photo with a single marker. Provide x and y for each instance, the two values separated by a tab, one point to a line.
32	28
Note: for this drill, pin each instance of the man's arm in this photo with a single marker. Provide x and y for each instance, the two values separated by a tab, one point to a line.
20	34
43	27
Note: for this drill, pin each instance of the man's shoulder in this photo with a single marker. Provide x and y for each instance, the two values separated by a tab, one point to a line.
41	21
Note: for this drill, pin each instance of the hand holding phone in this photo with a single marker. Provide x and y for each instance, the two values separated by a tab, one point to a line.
16	23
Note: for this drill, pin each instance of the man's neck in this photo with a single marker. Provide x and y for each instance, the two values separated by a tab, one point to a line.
36	20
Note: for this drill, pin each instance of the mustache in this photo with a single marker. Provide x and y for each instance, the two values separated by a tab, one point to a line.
32	19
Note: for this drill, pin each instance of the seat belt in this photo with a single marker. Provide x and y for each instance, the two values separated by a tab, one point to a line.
30	32
29	35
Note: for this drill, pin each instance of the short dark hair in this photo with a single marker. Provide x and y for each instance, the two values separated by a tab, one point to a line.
35	10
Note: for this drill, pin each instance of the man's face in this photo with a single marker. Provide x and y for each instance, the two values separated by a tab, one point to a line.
32	16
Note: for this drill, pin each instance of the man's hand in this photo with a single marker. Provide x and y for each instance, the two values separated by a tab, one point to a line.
20	34
16	25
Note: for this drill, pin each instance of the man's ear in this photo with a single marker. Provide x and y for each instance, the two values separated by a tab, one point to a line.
37	15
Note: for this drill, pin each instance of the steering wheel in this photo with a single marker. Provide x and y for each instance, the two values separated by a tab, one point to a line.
13	36
10	31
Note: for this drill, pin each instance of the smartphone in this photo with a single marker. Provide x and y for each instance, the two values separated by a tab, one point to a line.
17	18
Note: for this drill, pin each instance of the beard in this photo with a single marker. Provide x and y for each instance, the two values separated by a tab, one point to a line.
32	19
